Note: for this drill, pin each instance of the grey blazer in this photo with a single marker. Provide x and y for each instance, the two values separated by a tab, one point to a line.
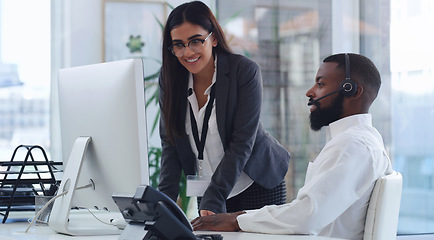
248	147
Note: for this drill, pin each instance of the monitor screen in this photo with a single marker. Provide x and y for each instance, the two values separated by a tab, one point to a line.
104	139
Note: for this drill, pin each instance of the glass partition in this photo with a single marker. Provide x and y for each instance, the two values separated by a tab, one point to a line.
290	38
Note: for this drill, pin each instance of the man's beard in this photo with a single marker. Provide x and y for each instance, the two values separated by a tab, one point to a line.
323	117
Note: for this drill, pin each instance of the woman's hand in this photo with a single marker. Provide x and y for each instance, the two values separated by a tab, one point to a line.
225	222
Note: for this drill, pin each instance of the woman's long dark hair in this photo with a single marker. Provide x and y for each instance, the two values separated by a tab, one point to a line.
174	77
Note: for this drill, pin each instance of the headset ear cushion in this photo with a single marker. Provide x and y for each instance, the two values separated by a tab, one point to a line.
348	87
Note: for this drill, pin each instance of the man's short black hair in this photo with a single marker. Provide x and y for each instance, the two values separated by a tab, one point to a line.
362	70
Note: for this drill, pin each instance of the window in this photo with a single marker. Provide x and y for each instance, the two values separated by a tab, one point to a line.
290	38
412	110
25	74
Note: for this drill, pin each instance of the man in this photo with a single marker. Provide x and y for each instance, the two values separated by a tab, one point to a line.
334	200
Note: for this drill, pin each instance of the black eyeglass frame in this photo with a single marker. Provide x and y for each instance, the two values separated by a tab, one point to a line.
188	45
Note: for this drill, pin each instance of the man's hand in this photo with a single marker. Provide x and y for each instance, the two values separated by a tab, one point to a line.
225	222
204	213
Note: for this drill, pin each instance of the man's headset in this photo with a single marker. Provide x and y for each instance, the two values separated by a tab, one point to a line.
347	88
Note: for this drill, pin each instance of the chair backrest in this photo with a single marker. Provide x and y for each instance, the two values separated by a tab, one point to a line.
383	211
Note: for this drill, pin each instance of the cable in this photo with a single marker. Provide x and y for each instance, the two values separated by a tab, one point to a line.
43	209
111	224
49	202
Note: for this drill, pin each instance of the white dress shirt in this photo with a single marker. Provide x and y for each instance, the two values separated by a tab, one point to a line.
213	151
334	200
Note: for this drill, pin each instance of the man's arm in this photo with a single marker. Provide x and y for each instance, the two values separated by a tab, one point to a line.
225	222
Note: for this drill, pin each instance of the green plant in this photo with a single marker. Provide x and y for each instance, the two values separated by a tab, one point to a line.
154	153
183	200
154	156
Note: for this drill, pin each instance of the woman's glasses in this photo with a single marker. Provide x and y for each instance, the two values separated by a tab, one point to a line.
195	45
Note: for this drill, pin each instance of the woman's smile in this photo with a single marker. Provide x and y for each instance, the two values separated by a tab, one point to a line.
192	60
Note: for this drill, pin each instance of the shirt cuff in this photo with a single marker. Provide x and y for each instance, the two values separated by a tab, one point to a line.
244	219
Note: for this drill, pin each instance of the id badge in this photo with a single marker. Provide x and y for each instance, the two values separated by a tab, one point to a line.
196	185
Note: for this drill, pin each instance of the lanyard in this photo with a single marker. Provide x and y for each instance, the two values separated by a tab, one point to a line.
200	143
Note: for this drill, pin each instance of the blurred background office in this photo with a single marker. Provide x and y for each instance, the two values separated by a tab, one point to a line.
288	38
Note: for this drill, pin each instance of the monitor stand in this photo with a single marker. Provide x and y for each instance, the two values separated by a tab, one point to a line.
60	214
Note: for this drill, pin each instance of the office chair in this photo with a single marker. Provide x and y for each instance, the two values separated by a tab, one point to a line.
383	210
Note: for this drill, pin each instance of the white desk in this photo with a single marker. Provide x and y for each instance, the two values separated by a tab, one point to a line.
15	231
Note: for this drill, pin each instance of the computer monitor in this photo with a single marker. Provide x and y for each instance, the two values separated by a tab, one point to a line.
104	140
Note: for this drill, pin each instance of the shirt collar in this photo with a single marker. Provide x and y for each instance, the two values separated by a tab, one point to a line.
343	124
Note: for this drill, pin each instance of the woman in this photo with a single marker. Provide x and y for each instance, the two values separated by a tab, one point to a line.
204	86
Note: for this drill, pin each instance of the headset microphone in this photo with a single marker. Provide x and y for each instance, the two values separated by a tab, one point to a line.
313	101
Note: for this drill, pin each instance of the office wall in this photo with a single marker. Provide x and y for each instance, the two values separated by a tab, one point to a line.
82	30
77	39
80	26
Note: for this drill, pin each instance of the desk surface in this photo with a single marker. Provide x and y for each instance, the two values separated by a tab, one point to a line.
15	231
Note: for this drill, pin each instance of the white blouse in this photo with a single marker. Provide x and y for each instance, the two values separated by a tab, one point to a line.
334	200
213	151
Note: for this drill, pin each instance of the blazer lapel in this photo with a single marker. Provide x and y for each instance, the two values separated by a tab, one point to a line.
222	91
